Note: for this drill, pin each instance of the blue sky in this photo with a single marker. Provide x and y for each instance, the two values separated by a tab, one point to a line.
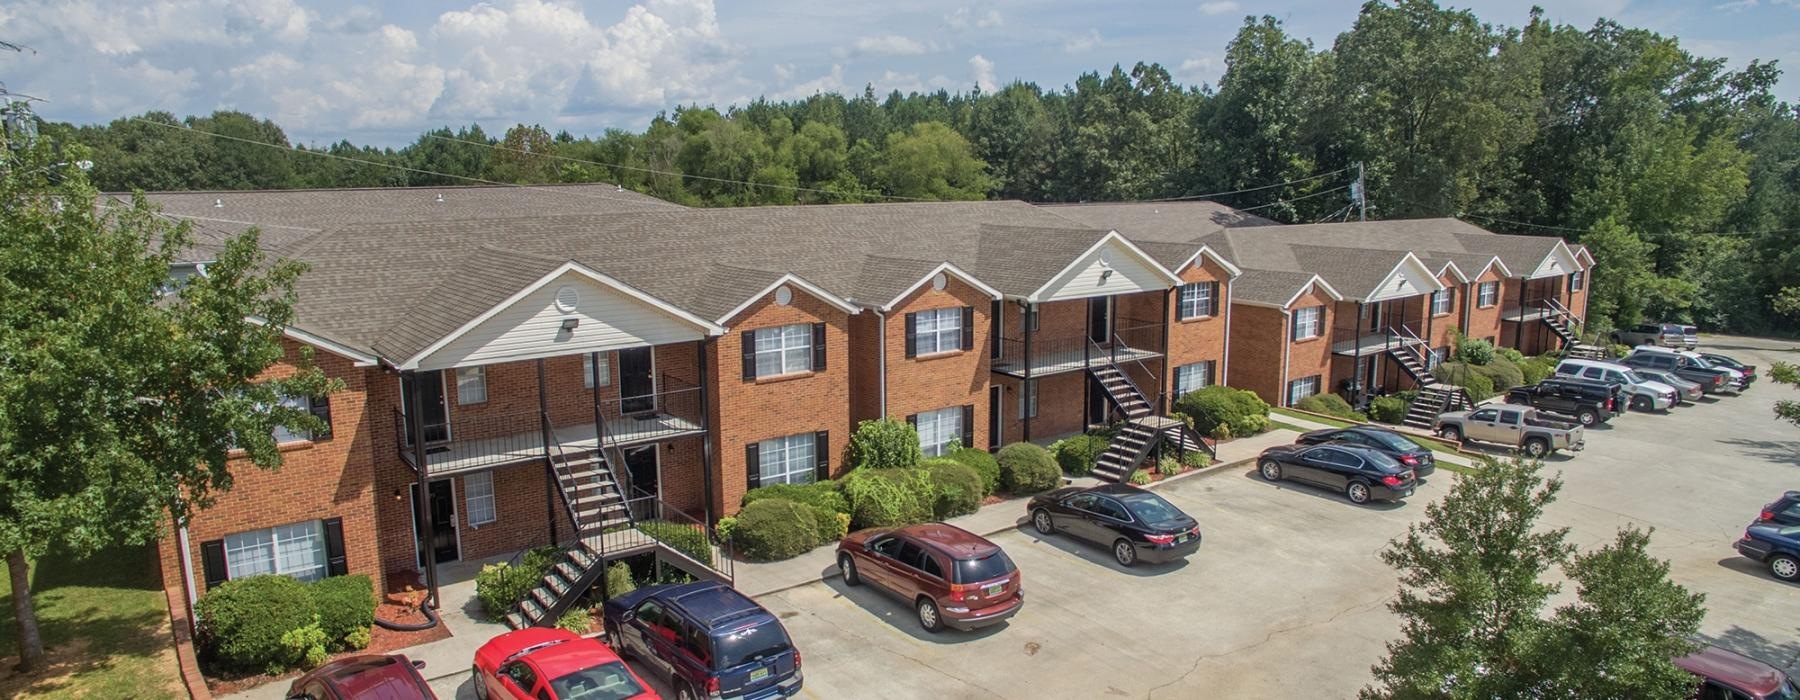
382	72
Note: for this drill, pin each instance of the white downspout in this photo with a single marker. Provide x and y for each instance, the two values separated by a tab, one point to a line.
1287	331
1225	362
881	355
187	571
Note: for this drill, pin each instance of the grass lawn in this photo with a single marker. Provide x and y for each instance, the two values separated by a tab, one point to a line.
1432	445
105	628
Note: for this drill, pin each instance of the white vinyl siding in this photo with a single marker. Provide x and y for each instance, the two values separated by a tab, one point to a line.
1308	322
1441	301
788	460
1197	300
1487	294
1112	268
937	330
606	318
784	350
1193	377
478	492
940	431
471	385
1302	388
587	370
296	550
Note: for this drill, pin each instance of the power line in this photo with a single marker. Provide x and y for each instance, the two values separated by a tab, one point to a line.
1339	188
1252	189
1494	219
396	166
677	173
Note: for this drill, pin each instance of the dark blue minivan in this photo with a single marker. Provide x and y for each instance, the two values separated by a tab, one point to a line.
707	639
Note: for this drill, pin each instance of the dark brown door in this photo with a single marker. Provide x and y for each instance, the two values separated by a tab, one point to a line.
637	384
1099	320
439	533
437	415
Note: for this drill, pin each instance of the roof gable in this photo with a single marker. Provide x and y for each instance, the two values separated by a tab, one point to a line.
1559	261
796	281
948	270
1111	266
1410	277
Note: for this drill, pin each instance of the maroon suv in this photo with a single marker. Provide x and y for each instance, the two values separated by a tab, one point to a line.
1727	675
952	577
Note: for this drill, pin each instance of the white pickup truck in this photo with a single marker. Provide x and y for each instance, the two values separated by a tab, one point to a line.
1523	428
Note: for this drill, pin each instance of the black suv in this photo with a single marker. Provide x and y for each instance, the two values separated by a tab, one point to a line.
1590	402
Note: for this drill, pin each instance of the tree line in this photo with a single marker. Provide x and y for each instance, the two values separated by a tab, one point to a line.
1681	175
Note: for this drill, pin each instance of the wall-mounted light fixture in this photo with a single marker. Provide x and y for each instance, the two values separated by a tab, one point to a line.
569	324
1105	274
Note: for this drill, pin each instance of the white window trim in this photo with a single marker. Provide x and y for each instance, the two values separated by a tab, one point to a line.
1315	326
587	370
303	403
1482	297
1312	382
470	498
471	376
1184	312
945	438
317	534
1447	296
1028	399
939	344
1577	281
1205	370
782	349
781	450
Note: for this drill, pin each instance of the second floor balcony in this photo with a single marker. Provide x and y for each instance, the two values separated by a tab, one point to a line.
1131	340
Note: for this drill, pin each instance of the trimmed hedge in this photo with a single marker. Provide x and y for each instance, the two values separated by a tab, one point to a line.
886	497
346	605
1076	454
243	622
1537	369
1027	469
1242	412
984	464
684	538
957	485
500	586
773	529
1329	404
1510	354
821	494
1474	351
1503	373
889	443
1479	386
1388	409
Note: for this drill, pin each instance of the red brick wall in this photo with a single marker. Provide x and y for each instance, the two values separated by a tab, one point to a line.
1485	322
1060	410
865	366
1197	339
750	411
1443	326
1258	335
943	380
1313	355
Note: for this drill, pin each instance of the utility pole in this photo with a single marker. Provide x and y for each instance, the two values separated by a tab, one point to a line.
1362	194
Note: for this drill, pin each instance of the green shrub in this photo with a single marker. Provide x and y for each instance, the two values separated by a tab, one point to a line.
359	639
1196	460
1168	466
1076	453
823	494
1243	411
242	621
724	527
682	537
302	646
1504	374
1479	386
1221	431
1388	409
1474	351
576	620
1140	477
1026	469
500	586
1618	350
887	497
888	443
618	580
345	604
957	485
773	529
1328	404
984	464
833	526
1537	369
1510	354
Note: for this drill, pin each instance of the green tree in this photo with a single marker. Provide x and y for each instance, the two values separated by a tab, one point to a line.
120	398
524	156
1255	127
1784	373
931	161
1620	638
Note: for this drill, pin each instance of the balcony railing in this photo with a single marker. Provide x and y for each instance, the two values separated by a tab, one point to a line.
472	443
1053	355
655	523
1373	342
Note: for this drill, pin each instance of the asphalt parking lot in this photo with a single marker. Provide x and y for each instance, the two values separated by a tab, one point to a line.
1287	597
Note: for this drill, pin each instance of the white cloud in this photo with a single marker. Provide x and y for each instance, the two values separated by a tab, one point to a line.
887	45
829	82
1082	43
964	18
784	72
1218	8
1735	5
982	71
1198	69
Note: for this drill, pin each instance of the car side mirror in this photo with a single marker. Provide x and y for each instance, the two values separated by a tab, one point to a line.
628	616
418	664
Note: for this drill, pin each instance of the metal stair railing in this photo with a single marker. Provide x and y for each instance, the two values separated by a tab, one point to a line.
1156	407
717	557
1415	349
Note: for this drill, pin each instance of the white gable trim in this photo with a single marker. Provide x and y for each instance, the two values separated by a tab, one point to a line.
797	281
1493	262
357	357
1583	253
1450	266
594	275
1214	256
1560	256
947	269
1322	284
1423	274
1075	266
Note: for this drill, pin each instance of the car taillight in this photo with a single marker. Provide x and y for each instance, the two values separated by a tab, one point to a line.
1409	460
1392	480
958	592
1160	539
1746	535
1718	381
1766	515
796	659
712	686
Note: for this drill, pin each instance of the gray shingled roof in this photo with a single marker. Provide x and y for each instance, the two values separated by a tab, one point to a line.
1268	286
1166	222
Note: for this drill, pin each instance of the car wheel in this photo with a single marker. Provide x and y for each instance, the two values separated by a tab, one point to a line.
1357	492
1784	567
1040	519
929	617
685	692
616	641
847	565
1587	418
1642	403
1271	471
481	691
1124	553
1451	433
1537	447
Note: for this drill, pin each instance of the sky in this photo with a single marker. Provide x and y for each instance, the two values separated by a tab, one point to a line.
381	72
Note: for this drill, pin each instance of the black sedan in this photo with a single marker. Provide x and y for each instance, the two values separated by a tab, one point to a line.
1362	474
1381	440
1137	524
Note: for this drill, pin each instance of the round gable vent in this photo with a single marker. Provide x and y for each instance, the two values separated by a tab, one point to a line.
1106	258
567	298
783	295
938	281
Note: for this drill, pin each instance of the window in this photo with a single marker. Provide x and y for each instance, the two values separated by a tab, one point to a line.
1309	322
1302	388
587	370
297	550
940	431
1575	281
788	460
1028	401
1441	301
1437	357
1193	377
784	350
281	433
1198	299
1487	294
478	491
1106	507
938	330
471	385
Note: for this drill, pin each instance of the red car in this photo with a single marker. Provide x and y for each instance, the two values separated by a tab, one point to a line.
1727	675
366	677
950	576
546	663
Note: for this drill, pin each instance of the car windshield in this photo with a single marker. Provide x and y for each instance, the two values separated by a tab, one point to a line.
1787	691
1151	508
1392	441
607	681
753	643
1699	362
980	569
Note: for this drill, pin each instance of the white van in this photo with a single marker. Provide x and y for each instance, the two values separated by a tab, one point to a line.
1646	395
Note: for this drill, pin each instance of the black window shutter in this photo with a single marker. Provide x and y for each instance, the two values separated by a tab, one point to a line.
212	560
1181	310
321	409
1294	327
913	420
336	563
753	477
968	425
912	335
818	341
1212	300
995	314
750	354
1211	377
968	329
822	453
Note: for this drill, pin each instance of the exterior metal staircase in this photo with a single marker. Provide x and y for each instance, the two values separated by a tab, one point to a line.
1121	391
1561	322
1433	401
1137	440
1409	353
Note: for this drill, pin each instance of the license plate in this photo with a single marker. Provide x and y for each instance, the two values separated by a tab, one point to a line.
994	589
758	674
1181	539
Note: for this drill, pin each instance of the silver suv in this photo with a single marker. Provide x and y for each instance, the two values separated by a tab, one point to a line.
1667	335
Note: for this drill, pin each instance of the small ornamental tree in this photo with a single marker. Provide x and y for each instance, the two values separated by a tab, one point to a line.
888	443
120	398
1784	373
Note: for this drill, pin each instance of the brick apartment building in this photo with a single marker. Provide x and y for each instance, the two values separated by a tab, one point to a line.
551	363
